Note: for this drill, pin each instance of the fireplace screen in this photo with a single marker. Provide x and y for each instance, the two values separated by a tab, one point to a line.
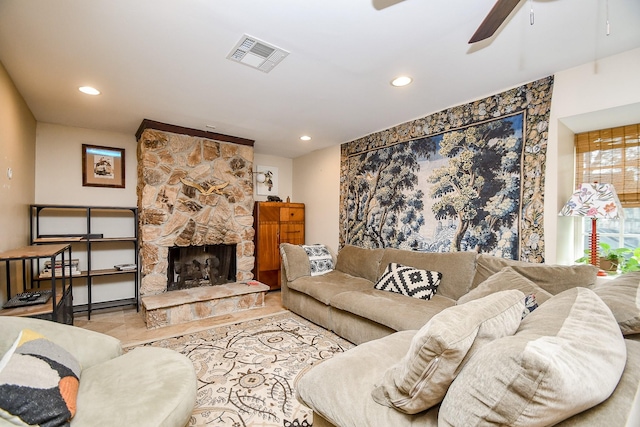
193	266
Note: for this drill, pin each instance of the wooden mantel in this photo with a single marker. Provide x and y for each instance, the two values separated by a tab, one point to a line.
165	127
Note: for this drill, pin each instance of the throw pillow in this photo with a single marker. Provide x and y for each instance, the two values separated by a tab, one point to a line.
566	357
507	278
409	281
38	382
320	259
442	346
622	296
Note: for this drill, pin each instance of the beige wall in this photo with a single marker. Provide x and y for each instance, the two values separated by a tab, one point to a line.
316	182
17	153
59	167
600	89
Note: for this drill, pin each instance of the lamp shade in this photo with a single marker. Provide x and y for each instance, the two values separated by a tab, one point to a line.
593	201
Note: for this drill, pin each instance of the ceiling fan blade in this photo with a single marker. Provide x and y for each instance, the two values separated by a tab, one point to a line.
494	19
383	4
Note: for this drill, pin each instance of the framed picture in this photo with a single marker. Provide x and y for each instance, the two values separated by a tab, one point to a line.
269	187
102	166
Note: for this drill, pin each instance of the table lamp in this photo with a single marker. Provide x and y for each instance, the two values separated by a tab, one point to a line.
594	201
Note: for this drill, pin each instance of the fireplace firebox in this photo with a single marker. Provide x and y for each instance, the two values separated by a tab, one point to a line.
194	266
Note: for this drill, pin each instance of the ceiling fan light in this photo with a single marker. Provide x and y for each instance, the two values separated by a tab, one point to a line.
401	81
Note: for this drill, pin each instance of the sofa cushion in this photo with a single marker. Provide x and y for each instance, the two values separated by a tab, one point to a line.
120	392
339	388
442	346
359	262
622	296
507	278
457	268
552	278
392	310
325	287
409	281
567	356
38	382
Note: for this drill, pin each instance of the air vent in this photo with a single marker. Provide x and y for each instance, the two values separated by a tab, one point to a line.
257	54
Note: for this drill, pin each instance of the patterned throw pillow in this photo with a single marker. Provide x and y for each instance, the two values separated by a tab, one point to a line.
320	259
409	281
39	382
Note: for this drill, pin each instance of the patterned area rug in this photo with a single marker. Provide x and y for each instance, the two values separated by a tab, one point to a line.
247	371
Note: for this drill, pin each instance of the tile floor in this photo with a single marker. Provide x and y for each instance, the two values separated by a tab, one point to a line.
128	325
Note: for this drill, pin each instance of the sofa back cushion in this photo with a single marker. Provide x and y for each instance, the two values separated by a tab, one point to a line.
457	268
442	346
295	260
359	262
507	278
622	296
552	278
566	356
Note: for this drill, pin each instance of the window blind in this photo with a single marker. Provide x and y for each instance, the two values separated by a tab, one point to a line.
611	156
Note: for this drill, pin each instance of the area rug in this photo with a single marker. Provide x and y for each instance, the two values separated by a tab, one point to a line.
247	371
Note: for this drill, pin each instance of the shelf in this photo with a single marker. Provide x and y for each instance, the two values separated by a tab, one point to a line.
83	227
34	310
51	240
105	304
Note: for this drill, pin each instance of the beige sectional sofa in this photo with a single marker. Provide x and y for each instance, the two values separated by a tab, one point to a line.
591	371
147	386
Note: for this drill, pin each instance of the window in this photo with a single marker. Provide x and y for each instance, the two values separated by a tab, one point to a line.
612	156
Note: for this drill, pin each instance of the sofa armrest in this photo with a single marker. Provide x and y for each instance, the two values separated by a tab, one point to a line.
295	262
88	347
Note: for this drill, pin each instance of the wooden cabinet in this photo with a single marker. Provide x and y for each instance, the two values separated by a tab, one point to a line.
275	223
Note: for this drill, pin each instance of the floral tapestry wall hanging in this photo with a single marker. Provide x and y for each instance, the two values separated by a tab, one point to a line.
466	179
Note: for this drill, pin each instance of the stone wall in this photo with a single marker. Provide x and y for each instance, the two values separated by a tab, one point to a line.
192	191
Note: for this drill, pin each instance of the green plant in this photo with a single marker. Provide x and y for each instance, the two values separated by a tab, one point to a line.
626	259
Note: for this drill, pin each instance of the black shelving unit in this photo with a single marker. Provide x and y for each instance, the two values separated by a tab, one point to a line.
90	240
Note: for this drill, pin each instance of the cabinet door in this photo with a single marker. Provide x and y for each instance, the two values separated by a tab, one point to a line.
267	244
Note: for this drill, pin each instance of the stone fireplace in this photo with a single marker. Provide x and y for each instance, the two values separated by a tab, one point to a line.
195	190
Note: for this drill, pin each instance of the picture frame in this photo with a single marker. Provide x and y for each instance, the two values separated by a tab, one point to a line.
270	185
102	166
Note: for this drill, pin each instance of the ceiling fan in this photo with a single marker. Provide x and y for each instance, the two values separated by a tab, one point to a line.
497	15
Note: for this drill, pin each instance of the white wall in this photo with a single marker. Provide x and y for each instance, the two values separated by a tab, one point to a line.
604	93
284	166
316	183
59	166
599	89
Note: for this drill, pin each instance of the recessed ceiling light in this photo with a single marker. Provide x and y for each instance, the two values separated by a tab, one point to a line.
305	138
89	90
401	81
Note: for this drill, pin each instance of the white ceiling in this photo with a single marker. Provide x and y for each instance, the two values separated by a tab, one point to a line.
165	60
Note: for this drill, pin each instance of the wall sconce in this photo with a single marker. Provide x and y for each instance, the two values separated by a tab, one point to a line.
262	176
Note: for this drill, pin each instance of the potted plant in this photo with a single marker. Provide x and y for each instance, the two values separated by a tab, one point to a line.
614	260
